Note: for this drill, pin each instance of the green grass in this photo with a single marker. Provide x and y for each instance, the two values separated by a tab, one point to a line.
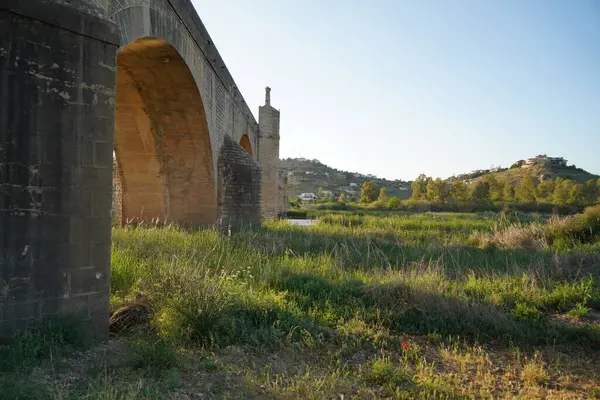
399	305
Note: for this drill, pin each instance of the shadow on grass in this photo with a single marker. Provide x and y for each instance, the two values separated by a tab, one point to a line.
381	250
406	309
314	302
319	313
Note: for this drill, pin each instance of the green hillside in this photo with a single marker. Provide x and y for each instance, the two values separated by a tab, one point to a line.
541	172
307	176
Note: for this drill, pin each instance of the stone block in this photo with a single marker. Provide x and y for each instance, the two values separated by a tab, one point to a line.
103	154
44	178
88	280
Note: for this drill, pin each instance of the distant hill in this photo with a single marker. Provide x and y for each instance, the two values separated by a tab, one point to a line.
307	176
539	171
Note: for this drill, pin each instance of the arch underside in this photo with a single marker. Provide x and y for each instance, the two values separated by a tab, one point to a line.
245	143
162	143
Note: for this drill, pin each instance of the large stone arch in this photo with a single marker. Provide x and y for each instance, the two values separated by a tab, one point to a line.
162	142
57	136
225	110
246	144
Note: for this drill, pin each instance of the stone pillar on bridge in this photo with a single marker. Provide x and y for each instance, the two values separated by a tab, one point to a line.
268	157
57	89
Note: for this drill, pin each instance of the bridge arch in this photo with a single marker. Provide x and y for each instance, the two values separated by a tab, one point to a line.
162	142
246	145
166	105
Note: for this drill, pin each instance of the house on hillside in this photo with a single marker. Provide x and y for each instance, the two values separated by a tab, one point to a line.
327	193
542	159
307	196
557	161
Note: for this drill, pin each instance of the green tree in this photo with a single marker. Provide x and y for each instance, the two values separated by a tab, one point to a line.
419	187
459	192
436	191
590	191
383	195
509	191
562	191
342	198
525	190
368	192
319	192
481	192
295	203
394	203
544	191
496	188
575	193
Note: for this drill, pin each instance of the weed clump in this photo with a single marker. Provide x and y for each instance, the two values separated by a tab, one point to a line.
54	337
557	234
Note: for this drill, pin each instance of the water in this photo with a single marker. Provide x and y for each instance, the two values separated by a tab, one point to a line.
302	222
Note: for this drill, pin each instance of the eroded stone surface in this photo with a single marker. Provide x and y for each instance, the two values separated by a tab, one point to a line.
56	139
240	197
183	136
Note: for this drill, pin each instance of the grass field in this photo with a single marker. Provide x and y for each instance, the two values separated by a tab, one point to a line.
419	306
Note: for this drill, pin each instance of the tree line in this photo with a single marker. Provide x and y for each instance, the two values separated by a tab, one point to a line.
489	189
489	192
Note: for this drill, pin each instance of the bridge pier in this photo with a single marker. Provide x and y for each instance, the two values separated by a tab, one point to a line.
268	158
240	197
57	80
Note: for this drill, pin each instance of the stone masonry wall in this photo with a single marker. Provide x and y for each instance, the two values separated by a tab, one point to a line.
56	123
240	193
268	158
177	23
117	196
57	98
283	197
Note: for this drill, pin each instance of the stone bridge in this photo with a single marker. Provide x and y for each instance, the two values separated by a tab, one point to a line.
83	81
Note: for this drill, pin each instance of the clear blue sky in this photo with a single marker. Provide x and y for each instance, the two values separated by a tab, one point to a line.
397	88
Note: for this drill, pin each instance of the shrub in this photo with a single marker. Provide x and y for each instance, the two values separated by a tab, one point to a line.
580	310
295	203
534	373
29	346
527	312
376	205
394	203
193	301
298	214
591	219
559	233
580	228
149	351
331	205
381	371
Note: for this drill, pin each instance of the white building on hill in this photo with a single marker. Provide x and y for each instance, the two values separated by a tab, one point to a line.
307	196
545	160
